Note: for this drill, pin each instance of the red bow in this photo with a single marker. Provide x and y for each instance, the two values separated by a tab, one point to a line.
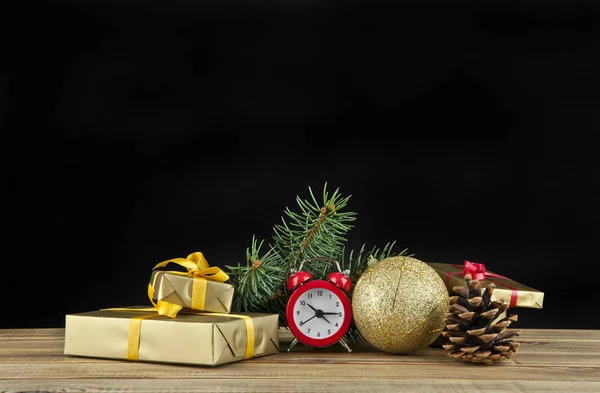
479	272
476	270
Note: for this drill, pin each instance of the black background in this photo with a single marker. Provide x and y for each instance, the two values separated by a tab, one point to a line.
141	131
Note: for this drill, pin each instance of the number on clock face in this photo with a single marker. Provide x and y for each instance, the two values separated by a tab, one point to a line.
318	313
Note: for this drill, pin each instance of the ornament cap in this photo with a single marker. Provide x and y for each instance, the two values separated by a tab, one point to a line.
341	280
297	279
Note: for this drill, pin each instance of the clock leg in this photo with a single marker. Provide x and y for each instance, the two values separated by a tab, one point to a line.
294	342
344	344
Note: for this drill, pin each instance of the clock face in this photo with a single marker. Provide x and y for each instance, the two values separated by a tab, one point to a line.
318	313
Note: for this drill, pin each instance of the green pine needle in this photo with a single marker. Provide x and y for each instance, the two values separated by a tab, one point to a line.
318	229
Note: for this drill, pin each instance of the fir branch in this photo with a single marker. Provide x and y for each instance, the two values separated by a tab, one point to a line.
257	281
316	230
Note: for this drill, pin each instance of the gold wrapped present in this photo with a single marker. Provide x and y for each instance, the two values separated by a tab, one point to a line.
201	288
141	334
514	293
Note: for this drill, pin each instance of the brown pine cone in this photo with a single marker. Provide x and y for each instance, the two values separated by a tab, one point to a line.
476	327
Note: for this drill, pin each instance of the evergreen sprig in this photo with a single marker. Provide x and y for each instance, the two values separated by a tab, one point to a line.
258	280
315	230
318	230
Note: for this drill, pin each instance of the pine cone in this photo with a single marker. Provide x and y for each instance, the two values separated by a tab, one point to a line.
470	333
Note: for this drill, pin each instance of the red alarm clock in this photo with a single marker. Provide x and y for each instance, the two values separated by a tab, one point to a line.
318	312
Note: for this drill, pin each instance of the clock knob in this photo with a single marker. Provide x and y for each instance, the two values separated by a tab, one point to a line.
298	278
341	280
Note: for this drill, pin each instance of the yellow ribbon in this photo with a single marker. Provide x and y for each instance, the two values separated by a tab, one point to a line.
164	308
200	271
135	326
197	266
133	337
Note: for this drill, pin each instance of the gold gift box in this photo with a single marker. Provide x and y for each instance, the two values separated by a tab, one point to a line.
180	289
514	293
141	334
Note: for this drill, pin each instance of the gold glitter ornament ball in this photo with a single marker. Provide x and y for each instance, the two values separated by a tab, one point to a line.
399	305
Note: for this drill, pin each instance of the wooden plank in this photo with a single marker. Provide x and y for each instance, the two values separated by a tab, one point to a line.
550	361
557	353
36	334
267	385
28	348
286	337
562	360
590	336
448	370
547	361
538	346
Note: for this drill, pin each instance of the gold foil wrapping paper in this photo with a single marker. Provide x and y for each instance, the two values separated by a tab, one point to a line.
134	333
179	289
514	293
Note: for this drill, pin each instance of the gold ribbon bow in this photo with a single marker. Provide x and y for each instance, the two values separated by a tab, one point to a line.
199	270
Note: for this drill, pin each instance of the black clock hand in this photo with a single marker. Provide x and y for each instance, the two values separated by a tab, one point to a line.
302	323
330	313
318	313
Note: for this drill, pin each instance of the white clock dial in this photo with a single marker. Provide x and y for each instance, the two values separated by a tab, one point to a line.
318	313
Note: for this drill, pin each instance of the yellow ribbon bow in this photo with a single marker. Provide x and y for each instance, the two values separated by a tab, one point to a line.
198	268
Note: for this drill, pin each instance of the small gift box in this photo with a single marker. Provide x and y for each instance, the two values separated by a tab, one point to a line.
201	288
141	334
514	293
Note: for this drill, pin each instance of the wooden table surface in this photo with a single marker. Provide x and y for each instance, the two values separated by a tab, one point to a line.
547	361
